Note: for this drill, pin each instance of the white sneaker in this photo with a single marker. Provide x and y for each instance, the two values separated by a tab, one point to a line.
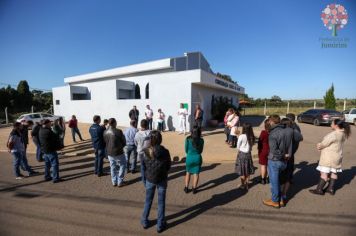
19	177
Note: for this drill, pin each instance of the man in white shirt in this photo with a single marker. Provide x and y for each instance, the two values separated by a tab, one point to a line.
149	116
182	114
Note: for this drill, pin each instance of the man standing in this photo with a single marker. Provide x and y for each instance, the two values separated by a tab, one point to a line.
198	116
16	146
142	141
24	132
35	138
96	132
115	143
279	152
134	114
149	116
130	148
73	125
50	143
182	114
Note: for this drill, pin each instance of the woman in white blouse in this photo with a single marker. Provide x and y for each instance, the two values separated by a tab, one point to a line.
244	165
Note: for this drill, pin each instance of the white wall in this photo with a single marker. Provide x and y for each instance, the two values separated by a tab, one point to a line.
167	91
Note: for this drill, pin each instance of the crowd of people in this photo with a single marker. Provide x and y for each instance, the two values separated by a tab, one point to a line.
277	145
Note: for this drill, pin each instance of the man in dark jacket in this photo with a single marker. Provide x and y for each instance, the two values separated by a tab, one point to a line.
294	136
280	149
97	137
156	164
35	138
24	131
134	114
115	143
49	145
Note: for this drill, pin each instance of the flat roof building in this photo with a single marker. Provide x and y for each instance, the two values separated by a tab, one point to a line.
164	84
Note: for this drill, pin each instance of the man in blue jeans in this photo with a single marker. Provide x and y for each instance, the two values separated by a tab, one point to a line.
34	134
280	149
130	148
97	137
50	143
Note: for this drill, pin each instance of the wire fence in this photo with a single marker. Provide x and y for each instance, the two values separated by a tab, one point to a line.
8	116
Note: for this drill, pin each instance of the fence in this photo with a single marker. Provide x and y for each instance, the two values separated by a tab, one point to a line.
289	108
7	116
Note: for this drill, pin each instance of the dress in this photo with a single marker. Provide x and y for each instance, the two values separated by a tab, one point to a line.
263	148
194	160
244	164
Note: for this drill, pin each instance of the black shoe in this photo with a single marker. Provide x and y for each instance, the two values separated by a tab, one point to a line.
186	190
320	188
48	179
195	191
161	229
331	189
33	173
133	171
267	180
263	181
57	180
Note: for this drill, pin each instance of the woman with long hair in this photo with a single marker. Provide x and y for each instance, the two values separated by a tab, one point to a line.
194	145
331	154
244	165
156	164
263	150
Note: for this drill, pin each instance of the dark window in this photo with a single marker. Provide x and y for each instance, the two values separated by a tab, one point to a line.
353	111
137	92
57	102
35	116
80	96
147	91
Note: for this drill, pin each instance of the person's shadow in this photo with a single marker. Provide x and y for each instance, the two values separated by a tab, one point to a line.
305	177
194	211
345	177
218	181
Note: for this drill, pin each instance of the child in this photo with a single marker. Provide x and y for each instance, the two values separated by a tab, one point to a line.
244	164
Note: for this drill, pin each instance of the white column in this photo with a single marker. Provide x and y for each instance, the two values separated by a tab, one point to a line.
344	104
314	104
265	108
31	109
288	108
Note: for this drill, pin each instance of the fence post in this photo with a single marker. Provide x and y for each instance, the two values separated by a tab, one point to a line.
265	108
288	108
7	118
344	104
31	109
314	104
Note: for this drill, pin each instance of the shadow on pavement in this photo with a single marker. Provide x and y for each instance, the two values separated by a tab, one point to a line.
216	182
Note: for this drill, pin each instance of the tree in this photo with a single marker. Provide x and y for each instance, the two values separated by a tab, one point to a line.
329	98
334	17
276	99
24	100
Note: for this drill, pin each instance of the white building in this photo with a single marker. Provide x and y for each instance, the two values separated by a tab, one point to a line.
162	84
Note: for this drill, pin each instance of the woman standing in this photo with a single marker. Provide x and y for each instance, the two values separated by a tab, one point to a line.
244	164
194	145
331	149
156	164
263	150
59	131
227	130
160	119
234	129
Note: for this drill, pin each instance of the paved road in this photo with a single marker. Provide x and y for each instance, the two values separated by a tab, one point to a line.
88	205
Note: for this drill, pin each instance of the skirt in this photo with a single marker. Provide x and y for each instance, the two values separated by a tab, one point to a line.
244	164
193	164
328	170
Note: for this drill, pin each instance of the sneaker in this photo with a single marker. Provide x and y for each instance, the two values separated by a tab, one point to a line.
19	177
57	180
271	203
282	203
114	185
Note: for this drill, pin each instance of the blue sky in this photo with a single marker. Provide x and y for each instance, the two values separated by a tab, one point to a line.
269	47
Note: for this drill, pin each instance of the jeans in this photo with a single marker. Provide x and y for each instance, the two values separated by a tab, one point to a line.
150	193
24	163
274	170
160	126
131	157
51	161
117	168
142	168
39	155
75	130
149	123
99	161
17	162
